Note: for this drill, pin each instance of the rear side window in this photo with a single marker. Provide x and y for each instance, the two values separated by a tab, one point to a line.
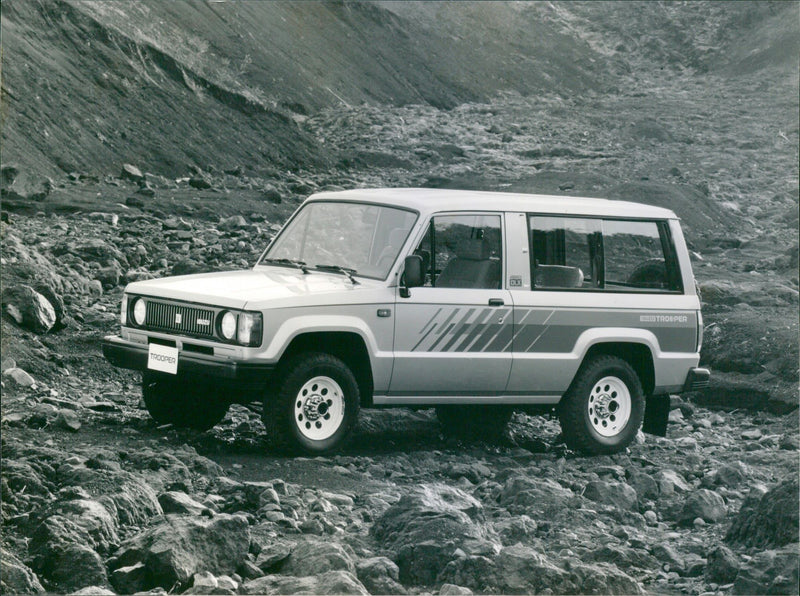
572	253
566	252
635	256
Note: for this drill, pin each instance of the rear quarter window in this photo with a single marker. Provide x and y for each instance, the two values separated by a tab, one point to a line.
594	254
638	257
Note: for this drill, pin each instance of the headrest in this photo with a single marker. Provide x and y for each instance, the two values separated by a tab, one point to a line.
557	276
474	249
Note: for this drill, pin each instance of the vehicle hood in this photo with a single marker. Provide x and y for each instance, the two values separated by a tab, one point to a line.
251	288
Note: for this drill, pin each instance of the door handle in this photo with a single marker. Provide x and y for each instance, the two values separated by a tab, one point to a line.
496	302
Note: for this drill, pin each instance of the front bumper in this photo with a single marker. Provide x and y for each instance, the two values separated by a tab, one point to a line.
134	356
697	379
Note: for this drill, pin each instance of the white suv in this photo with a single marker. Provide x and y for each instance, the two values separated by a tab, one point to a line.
474	303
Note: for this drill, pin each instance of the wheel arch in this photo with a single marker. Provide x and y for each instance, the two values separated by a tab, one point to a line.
348	346
637	354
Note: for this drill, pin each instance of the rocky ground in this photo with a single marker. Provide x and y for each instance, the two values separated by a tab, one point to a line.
95	494
96	498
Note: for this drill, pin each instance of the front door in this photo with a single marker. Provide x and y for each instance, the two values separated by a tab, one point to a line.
453	336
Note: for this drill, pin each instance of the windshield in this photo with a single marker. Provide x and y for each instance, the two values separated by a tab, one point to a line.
363	238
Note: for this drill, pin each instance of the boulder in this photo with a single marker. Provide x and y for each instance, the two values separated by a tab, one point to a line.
425	528
331	582
668	557
179	502
132	173
616	494
767	520
704	504
206	583
520	569
380	575
731	475
522	494
199	182
272	194
18	377
771	572
68	420
454	590
76	521
129	579
95	250
135	503
670	482
109	276
22	185
46	288
644	484
273	556
134	201
623	557
188	266
313	558
29	308
179	546
518	528
16	577
93	591
74	567
722	565
234	222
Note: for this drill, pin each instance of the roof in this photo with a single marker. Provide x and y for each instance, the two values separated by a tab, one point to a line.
429	200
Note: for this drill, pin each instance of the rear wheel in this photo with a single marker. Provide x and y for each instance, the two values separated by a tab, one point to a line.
604	407
182	401
316	405
474	421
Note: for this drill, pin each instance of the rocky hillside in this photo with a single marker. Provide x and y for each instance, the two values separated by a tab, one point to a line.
88	85
150	139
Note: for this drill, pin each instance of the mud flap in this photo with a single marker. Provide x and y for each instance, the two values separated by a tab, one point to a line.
656	415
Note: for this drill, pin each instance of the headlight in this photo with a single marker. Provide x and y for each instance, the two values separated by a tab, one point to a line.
123	311
139	311
249	332
227	325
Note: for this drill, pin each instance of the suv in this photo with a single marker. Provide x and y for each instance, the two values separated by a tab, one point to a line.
474	303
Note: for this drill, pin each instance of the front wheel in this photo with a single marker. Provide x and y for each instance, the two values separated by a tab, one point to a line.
183	401
604	407
316	405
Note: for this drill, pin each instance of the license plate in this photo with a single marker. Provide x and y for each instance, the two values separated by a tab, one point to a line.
163	358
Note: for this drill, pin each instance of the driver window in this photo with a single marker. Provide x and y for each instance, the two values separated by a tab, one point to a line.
462	251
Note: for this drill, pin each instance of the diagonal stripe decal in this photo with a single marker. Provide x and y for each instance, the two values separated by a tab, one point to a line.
459	329
477	328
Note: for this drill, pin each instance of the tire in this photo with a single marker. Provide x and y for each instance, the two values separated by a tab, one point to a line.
184	402
650	274
604	407
473	422
315	407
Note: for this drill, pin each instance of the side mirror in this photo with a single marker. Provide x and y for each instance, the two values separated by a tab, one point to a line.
413	275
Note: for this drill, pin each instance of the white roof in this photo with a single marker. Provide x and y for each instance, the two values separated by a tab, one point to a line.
431	200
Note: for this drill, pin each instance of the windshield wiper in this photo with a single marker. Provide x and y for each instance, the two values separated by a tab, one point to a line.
339	269
288	262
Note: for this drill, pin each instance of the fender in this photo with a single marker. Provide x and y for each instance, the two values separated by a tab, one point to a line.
604	335
295	326
669	367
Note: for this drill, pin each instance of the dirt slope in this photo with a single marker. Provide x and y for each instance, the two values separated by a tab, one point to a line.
90	85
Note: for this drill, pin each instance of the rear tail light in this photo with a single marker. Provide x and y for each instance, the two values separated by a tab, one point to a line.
699	330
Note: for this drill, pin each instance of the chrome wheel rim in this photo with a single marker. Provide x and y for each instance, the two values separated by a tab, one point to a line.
609	406
319	408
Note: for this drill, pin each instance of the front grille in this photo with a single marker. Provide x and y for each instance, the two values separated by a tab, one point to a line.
178	318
